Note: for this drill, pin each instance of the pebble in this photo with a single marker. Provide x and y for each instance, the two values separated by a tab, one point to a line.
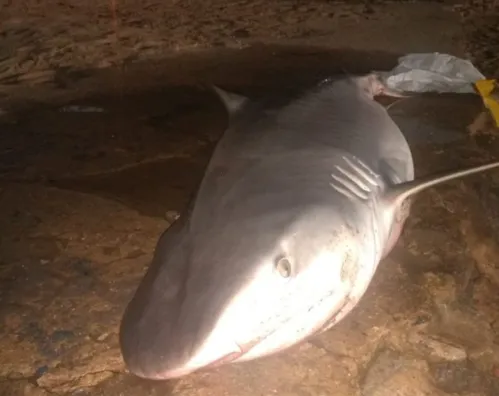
171	215
436	349
457	377
464	327
102	337
442	287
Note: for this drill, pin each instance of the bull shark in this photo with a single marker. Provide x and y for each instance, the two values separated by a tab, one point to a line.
299	204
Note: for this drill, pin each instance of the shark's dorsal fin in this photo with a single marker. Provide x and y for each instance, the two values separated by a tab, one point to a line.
231	101
398	193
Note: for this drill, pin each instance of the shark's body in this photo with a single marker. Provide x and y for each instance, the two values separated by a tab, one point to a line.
297	207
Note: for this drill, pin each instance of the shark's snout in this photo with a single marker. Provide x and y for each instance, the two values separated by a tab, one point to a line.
154	364
159	349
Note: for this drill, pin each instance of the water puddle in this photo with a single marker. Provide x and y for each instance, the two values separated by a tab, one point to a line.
152	189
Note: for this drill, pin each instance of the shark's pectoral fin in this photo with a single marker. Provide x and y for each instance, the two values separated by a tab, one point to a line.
396	194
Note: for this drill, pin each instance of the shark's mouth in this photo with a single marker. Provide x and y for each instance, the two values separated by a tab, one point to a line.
245	348
226	359
235	356
335	318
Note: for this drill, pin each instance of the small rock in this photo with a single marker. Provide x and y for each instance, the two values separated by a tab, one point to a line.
437	349
102	337
457	377
65	381
358	344
442	287
393	374
464	327
171	215
93	379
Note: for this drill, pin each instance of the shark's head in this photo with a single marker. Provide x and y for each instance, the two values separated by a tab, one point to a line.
251	289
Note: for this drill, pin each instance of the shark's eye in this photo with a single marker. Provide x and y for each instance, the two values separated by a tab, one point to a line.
283	267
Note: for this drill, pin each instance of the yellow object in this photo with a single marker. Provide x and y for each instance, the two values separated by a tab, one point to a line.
489	91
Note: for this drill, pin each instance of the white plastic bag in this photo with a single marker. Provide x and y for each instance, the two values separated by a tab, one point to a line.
432	72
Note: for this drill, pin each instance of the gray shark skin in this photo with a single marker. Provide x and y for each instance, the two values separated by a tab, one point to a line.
298	206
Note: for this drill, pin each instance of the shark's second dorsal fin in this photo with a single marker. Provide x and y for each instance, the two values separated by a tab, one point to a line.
398	193
232	102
